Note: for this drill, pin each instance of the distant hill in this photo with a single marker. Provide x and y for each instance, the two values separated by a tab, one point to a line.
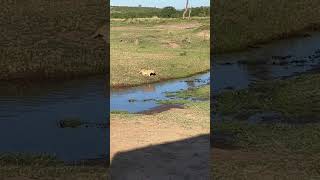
147	12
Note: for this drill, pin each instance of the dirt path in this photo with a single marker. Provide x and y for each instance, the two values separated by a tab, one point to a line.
169	145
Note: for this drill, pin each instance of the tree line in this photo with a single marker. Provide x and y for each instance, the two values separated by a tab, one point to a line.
147	12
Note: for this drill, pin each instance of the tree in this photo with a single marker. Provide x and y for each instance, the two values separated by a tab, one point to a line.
168	12
189	13
186	9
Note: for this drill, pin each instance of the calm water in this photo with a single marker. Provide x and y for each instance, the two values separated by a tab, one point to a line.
29	116
145	96
228	73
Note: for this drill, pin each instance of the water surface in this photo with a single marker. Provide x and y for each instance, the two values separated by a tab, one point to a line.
30	115
141	98
300	54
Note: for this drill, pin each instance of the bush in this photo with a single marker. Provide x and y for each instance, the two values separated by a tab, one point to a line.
168	12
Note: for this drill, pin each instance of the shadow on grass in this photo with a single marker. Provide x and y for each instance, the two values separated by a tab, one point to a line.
183	159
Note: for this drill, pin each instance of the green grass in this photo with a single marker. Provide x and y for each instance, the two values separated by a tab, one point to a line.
273	150
47	167
186	97
42	40
176	101
297	98
202	92
270	138
238	24
119	112
157	44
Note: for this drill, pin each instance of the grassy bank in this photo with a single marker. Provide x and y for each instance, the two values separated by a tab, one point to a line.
174	48
202	92
22	166
41	40
239	24
296	98
283	147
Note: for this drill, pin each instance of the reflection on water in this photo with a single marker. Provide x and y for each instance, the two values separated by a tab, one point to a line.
149	88
29	116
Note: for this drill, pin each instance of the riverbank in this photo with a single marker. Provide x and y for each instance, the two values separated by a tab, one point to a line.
32	167
41	40
269	130
241	24
173	48
296	98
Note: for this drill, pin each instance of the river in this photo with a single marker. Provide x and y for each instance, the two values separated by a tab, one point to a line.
30	113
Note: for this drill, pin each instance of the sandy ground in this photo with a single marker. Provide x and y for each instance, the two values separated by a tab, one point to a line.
168	145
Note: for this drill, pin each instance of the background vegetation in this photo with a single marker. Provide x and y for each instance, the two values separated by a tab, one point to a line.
124	12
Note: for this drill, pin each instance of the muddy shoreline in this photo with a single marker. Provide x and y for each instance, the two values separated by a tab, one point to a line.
161	108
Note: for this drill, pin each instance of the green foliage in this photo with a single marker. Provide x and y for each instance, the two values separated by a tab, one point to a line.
169	12
200	11
124	12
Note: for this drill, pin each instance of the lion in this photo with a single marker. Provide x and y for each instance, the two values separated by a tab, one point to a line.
147	72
